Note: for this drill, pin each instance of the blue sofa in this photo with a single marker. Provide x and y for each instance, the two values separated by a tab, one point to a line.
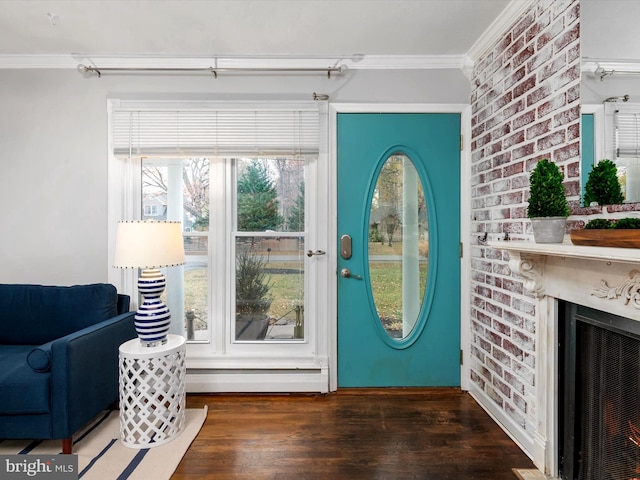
59	357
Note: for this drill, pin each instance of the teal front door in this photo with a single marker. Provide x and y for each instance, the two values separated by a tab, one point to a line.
398	249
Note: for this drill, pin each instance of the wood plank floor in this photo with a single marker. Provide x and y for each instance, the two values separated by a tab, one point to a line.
433	434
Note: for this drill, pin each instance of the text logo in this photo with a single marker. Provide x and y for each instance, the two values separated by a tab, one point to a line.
50	467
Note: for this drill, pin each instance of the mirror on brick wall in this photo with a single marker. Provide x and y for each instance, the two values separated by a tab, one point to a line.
610	40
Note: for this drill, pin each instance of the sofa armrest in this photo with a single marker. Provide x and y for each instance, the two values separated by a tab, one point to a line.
84	372
124	303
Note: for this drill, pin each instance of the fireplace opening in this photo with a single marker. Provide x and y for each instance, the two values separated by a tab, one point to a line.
599	395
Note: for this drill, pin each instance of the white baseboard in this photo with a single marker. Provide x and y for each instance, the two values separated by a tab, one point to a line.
257	381
511	428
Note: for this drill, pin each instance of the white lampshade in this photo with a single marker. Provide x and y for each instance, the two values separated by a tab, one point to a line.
148	244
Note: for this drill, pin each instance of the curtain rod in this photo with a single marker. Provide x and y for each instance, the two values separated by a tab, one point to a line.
213	71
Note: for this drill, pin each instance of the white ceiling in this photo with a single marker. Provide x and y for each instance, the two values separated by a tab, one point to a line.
303	28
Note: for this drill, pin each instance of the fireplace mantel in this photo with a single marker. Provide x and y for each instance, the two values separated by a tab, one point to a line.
592	276
603	278
603	254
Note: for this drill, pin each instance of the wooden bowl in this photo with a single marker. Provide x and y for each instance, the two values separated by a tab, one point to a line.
622	238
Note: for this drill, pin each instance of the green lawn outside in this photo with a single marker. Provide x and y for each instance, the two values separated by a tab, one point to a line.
287	288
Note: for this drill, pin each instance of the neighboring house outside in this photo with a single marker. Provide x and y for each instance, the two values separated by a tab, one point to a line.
384	225
154	207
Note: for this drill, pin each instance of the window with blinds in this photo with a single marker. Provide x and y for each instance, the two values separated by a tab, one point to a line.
262	153
623	141
627	132
267	130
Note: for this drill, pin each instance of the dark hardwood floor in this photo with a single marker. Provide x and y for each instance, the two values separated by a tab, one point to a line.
433	434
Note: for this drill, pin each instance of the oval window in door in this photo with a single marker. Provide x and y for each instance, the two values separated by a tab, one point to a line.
398	246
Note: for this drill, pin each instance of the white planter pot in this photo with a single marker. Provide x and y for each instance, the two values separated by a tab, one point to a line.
548	229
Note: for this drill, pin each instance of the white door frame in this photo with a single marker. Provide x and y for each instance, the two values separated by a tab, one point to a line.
465	210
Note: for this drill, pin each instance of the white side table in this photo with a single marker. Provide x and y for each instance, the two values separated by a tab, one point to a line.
152	386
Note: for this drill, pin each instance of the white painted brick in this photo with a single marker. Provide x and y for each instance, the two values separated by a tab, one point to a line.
539	97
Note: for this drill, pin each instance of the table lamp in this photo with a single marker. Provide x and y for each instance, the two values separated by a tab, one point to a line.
149	245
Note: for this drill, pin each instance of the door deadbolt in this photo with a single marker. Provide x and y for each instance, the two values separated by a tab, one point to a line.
345	247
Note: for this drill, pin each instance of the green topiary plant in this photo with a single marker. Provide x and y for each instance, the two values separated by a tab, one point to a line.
547	196
628	224
602	185
599	224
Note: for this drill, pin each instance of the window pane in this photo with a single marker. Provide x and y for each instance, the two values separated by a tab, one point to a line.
269	288
269	269
270	195
398	246
178	189
196	274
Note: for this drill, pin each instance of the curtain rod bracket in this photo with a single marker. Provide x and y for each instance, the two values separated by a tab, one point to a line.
606	73
609	73
87	69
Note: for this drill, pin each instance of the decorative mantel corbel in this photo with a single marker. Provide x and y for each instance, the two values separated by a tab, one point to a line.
531	268
629	290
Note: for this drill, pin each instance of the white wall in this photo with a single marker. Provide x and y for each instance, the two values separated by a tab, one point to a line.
593	91
53	151
609	31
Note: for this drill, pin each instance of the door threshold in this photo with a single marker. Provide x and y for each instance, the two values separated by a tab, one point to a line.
398	391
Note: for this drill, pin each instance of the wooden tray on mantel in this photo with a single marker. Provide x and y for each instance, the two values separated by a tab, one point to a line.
621	238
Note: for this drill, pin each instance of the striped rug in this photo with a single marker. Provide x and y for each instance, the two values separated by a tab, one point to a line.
101	456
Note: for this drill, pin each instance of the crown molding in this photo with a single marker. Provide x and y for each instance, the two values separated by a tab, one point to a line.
593	65
37	61
467	68
507	17
353	62
408	62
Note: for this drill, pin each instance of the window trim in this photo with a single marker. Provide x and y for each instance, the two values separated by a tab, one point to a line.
247	366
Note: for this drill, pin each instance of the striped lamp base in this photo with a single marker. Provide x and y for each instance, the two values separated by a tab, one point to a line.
152	320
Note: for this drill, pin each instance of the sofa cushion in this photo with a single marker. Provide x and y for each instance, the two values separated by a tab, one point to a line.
21	389
37	314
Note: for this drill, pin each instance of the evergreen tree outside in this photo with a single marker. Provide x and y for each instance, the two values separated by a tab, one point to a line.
295	222
201	223
257	200
252	283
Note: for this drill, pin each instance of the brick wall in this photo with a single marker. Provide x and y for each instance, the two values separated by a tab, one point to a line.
525	106
582	215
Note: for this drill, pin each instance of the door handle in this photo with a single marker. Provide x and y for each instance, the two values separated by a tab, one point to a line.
346	273
311	253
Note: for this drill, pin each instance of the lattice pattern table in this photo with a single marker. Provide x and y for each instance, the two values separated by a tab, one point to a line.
152	386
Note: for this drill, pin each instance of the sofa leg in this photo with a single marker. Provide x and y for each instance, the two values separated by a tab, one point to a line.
67	446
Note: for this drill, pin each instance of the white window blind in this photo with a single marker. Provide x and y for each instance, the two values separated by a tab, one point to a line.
627	132
264	130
